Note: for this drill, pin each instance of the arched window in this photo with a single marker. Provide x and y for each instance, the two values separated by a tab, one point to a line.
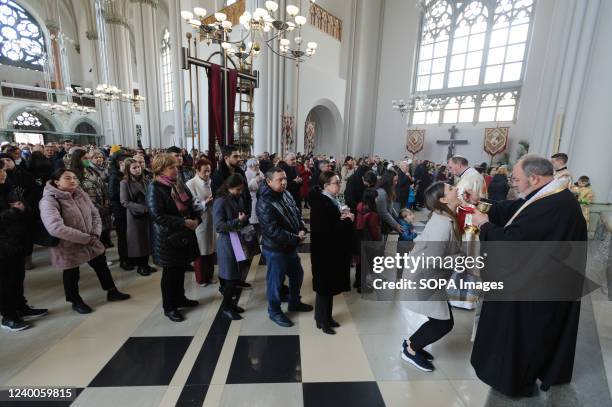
471	60
85	128
166	73
29	119
21	38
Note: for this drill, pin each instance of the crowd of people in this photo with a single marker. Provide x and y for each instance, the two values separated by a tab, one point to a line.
182	211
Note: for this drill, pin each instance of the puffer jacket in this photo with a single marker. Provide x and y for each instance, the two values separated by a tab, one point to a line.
72	218
165	221
15	236
280	219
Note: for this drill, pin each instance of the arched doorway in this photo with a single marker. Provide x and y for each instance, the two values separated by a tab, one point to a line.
82	129
323	129
30	126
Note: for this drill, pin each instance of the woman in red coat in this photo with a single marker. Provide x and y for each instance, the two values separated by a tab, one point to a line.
305	173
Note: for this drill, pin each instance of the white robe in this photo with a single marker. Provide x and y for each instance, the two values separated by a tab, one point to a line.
472	180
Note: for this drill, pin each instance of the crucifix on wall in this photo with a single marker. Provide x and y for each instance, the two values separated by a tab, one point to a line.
452	142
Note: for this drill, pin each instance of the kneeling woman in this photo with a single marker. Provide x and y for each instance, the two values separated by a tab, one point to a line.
331	243
69	215
440	238
229	216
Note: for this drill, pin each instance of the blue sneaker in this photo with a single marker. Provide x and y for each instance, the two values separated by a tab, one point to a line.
418	361
423	352
282	320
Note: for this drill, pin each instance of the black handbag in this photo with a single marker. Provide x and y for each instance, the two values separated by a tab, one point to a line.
182	239
41	234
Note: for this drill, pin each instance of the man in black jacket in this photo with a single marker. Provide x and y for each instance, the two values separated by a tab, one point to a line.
282	230
185	171
294	181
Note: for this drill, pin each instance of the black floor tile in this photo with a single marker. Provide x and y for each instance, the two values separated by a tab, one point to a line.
143	361
192	396
266	359
206	361
304	248
354	394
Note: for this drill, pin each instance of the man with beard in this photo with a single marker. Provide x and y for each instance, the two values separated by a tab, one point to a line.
518	342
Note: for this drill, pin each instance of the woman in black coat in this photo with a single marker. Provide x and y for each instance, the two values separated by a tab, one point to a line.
173	239
15	245
499	187
331	246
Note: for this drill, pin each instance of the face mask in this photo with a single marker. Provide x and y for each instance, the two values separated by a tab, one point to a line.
18	161
86	163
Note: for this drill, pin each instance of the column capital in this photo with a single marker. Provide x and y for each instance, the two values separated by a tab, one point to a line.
112	18
91	35
52	25
152	3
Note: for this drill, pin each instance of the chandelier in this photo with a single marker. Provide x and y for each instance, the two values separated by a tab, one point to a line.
261	26
416	103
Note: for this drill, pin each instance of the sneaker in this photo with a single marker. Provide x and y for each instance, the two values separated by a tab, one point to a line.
282	320
28	313
14	325
417	360
243	284
423	352
300	307
116	295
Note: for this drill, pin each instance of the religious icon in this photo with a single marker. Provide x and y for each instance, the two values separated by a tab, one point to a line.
287	132
415	140
496	140
309	136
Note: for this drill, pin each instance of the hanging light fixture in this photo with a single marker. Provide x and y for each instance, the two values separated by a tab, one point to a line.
261	26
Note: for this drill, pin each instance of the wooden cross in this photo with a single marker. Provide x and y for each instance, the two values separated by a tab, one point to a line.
452	142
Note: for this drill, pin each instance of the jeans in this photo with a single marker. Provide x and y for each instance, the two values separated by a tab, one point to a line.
282	264
71	278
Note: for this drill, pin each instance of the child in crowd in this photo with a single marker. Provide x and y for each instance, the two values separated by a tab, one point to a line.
411	203
583	191
406	220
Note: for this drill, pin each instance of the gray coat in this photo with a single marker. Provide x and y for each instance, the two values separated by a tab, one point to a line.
385	210
225	219
133	198
437	239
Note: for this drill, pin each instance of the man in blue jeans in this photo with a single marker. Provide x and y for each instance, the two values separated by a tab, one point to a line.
282	230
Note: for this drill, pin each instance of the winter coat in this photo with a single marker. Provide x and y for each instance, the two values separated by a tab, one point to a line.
251	177
72	218
367	224
166	220
94	185
305	173
114	192
402	189
15	227
292	186
280	220
385	209
205	231
219	177
225	219
437	239
133	198
331	246
345	174
499	187
355	187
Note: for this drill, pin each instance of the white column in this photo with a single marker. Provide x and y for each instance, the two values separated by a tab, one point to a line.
148	56
176	38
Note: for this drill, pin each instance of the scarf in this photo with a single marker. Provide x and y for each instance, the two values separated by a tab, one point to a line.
179	195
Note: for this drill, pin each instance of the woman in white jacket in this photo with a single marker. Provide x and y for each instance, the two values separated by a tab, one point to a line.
199	185
254	178
440	238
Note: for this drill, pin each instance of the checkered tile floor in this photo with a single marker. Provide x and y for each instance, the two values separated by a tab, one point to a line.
129	354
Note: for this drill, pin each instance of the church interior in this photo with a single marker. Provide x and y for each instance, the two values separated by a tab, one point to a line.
399	80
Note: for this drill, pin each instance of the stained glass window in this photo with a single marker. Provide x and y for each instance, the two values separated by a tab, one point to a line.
166	73
21	39
471	59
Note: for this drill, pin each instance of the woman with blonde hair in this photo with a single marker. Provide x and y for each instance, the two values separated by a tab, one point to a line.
173	239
